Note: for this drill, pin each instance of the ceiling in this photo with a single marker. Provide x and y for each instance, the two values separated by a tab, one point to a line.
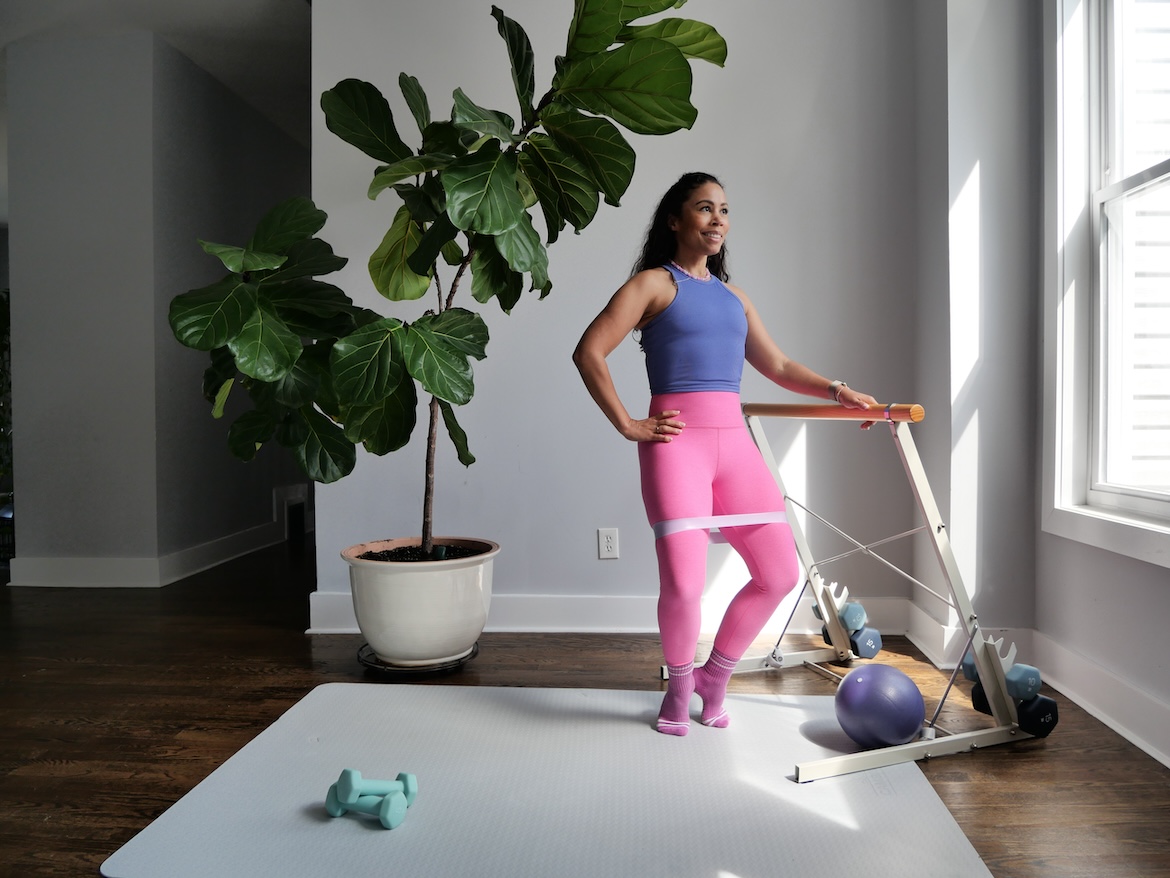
260	49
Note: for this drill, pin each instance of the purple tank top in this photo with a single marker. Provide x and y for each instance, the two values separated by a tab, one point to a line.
697	342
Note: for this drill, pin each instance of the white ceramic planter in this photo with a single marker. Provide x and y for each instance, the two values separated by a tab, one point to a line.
419	613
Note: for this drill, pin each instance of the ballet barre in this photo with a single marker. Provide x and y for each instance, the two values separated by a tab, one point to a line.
989	657
891	412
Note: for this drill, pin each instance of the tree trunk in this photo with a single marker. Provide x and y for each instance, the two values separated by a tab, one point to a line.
428	538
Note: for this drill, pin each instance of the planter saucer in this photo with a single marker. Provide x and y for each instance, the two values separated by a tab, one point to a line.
369	659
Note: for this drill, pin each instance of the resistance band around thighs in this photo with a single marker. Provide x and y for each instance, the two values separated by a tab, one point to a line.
675	525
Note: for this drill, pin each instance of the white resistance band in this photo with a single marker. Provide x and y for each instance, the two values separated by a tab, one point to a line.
674	525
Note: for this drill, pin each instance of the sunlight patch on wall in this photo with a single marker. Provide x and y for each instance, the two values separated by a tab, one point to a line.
966	284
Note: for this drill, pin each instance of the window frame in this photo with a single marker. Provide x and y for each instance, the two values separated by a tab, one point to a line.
1072	150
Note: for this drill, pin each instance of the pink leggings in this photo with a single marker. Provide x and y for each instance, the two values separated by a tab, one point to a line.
713	468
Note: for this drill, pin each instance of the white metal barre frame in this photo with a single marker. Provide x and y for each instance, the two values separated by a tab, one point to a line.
989	660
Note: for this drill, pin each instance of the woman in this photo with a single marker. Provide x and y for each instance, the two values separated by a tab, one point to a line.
697	458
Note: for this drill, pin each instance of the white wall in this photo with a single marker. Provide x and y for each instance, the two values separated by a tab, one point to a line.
122	153
811	126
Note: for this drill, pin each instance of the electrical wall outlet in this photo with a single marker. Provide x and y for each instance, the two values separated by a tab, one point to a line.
607	542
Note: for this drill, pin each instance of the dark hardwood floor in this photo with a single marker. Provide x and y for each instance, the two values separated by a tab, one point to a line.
115	703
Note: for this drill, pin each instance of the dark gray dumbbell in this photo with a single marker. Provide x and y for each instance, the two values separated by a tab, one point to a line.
865	643
1038	715
351	786
390	809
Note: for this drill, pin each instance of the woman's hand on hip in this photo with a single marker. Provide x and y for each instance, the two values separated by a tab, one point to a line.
661	427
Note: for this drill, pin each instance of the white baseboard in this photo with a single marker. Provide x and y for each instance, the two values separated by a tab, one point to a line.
1137	716
157	572
332	613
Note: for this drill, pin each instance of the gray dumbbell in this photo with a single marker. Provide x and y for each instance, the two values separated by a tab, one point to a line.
351	786
390	809
1023	682
853	617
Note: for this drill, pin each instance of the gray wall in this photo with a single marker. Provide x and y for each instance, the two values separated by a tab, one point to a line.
121	154
812	127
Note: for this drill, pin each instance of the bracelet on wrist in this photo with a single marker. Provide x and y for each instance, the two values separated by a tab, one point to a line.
835	388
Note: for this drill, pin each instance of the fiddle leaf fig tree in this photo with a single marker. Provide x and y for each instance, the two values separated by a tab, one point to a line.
324	375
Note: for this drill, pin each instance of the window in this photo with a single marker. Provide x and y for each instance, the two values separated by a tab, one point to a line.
1107	278
1131	213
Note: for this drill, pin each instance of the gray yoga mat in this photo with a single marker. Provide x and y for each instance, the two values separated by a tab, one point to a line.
553	783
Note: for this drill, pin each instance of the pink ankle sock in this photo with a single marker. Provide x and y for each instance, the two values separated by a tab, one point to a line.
711	684
675	716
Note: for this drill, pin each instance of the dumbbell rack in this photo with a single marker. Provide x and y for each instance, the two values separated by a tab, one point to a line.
990	662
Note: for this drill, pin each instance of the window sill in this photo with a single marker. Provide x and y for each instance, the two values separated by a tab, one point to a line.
1143	539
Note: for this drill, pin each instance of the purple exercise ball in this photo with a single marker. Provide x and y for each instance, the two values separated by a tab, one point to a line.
878	705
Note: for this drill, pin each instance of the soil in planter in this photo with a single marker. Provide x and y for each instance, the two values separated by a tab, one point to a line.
415	553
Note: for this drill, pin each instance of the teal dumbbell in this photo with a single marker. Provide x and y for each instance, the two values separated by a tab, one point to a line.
969	669
1023	682
853	617
817	612
390	809
351	786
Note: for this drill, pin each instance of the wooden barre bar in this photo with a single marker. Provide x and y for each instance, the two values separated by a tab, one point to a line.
892	412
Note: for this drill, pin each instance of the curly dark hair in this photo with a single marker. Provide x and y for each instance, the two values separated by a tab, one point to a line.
660	245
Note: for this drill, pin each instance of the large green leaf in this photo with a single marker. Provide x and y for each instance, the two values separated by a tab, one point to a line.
597	144
492	277
522	247
594	27
368	365
386	425
311	257
437	348
426	201
460	329
645	86
240	259
416	100
300	384
470	116
389	270
448	138
458	437
322	451
288	222
521	57
357	113
414	166
596	23
481	191
208	318
308	295
441	233
249	432
694	39
564	187
265	348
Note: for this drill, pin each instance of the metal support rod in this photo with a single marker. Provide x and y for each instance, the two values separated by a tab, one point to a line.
954	675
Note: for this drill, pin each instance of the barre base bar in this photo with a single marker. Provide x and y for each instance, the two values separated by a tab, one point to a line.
962	742
891	412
